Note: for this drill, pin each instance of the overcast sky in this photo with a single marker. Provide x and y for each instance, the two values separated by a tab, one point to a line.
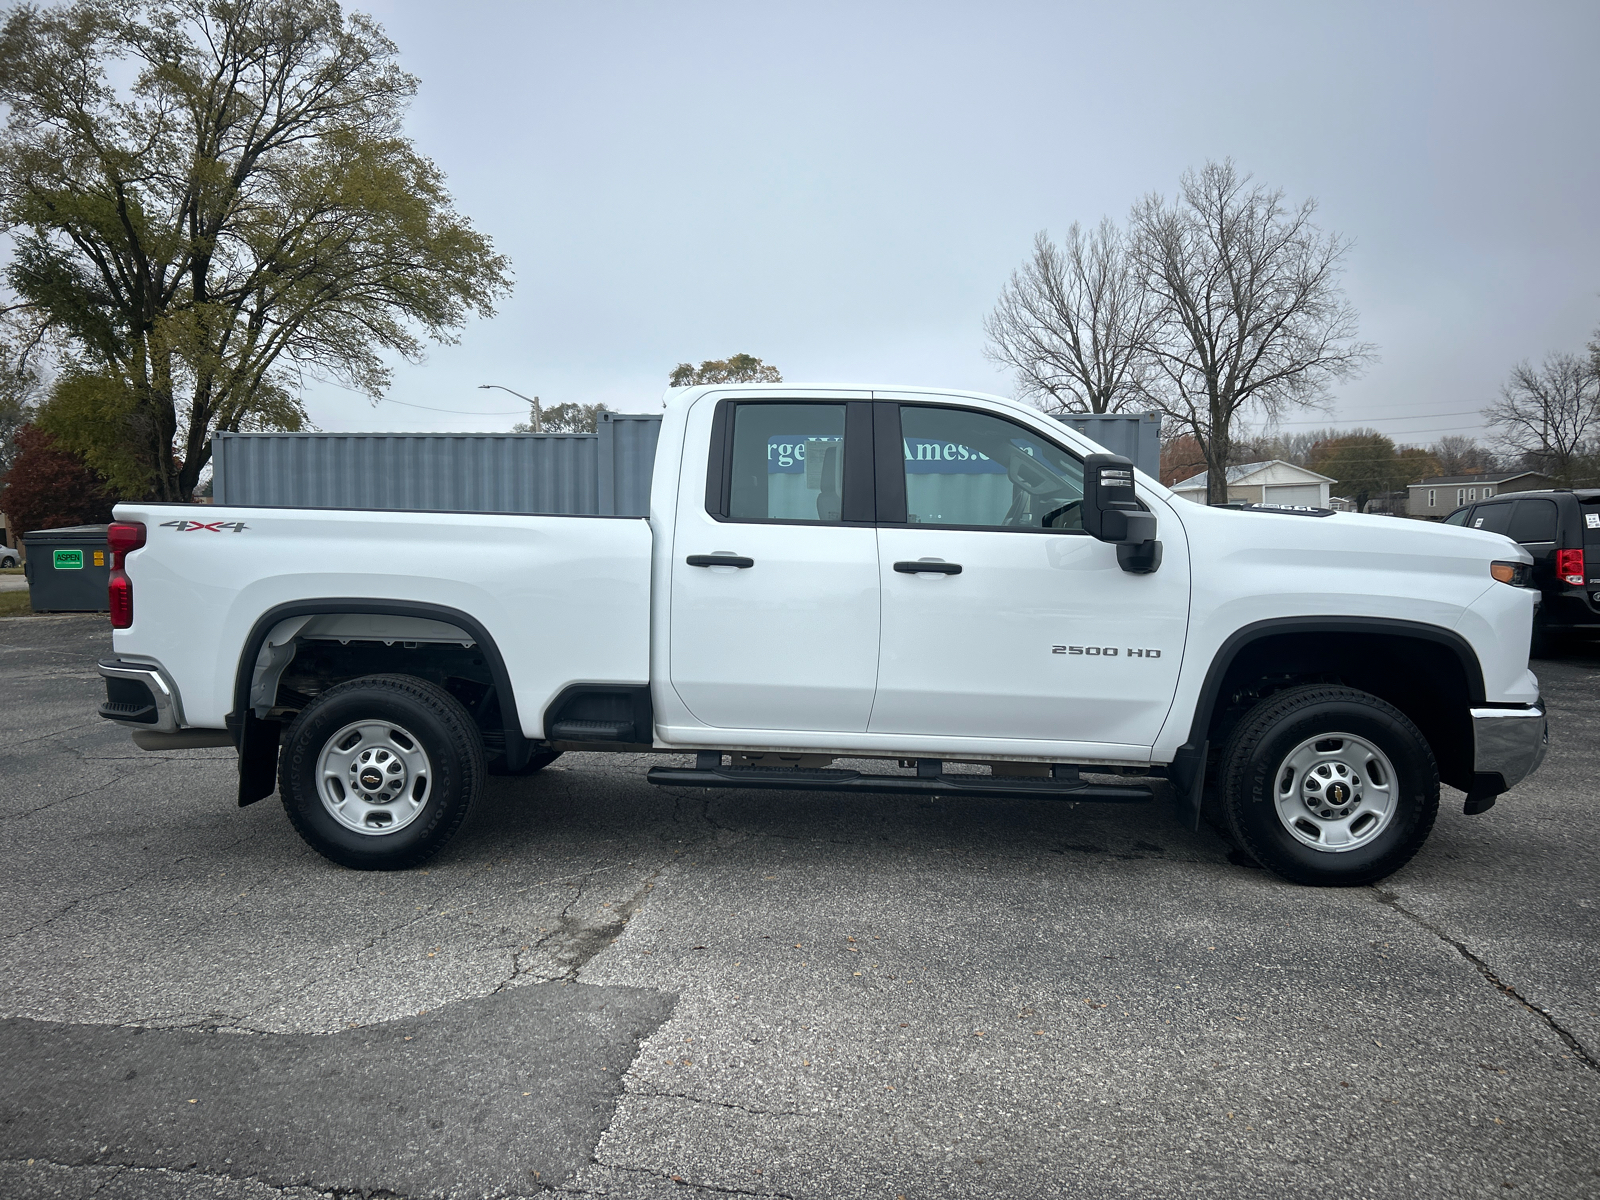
842	189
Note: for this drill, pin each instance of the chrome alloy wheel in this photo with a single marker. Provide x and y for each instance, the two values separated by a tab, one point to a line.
1336	792
374	777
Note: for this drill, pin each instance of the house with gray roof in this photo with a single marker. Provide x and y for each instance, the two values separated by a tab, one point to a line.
1270	482
1436	498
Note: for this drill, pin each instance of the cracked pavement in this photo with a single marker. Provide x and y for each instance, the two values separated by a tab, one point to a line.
608	989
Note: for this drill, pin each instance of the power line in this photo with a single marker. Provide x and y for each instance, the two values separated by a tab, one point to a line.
460	412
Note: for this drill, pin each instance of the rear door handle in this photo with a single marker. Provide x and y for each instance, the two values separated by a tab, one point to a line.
722	560
932	568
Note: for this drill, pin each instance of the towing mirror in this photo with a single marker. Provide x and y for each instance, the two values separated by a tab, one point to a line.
1112	513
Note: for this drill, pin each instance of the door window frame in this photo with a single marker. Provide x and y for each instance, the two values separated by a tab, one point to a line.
855	486
889	456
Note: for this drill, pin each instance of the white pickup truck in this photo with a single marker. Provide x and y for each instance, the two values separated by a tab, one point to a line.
953	585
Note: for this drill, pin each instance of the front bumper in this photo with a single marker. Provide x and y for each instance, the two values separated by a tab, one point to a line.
1509	743
140	696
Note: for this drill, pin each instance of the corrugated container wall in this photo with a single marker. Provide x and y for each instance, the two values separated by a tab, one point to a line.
1135	436
605	473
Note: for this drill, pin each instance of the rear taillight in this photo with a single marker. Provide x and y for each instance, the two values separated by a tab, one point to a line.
1569	565
123	537
121	600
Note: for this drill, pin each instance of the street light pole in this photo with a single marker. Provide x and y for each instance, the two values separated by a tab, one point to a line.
538	419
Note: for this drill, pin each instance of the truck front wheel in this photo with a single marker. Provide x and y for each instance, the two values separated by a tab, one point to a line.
378	773
1329	786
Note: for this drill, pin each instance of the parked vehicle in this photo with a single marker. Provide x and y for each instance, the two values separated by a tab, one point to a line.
8	556
953	585
1560	529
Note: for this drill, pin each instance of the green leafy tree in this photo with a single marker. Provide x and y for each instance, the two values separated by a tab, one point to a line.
736	368
1364	464
564	418
244	211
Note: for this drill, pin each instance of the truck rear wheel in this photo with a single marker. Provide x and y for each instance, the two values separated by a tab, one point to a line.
378	773
1329	786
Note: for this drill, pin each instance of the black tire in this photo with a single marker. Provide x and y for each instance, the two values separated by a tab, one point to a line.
536	763
7	562
429	717
1255	766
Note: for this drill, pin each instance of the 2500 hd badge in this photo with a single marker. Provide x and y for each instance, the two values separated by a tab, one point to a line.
1105	651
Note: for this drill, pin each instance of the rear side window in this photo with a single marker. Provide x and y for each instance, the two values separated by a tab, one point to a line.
1533	521
1591	522
788	462
1491	518
1458	518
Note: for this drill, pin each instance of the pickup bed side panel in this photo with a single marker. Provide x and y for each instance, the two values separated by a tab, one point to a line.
566	599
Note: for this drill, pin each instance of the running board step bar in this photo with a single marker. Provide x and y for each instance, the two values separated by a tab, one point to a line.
940	784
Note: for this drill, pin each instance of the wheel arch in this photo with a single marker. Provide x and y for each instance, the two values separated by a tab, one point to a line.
247	727
1427	671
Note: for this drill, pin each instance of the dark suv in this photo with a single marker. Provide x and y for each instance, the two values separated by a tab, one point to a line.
1561	529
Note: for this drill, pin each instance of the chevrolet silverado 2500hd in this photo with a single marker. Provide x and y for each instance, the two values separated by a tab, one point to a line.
911	576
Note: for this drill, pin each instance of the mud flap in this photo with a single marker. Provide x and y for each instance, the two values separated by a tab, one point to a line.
1188	774
258	755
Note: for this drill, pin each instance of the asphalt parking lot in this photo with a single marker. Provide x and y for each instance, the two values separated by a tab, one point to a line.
609	989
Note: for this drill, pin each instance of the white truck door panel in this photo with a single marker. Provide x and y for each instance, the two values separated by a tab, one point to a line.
1039	636
789	642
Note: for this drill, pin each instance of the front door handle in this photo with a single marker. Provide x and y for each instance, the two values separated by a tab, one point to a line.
932	568
722	560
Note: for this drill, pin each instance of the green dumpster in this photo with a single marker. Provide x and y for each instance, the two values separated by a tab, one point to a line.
69	570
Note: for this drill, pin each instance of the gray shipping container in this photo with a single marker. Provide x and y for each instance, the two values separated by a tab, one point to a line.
1135	436
606	473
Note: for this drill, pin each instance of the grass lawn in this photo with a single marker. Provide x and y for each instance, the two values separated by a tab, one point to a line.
14	604
10	570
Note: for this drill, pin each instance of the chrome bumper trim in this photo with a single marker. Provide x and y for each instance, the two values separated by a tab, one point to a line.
169	708
1509	742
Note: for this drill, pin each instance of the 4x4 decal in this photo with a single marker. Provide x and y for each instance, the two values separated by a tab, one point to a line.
208	526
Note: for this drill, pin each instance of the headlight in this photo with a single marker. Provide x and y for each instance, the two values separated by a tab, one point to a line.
1515	573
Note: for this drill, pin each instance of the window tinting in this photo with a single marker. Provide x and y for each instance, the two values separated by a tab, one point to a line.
1458	518
968	468
1491	518
1533	521
1589	511
788	462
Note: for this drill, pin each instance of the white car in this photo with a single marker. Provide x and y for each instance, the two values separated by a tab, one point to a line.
913	576
8	556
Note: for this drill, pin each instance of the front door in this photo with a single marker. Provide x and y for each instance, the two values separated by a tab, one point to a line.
784	637
1041	635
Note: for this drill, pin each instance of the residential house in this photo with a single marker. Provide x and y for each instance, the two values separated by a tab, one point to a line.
1270	482
1434	499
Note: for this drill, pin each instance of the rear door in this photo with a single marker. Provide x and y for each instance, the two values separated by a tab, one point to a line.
785	635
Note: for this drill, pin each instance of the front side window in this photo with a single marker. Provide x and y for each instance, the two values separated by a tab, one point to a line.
1459	517
977	470
1491	518
788	462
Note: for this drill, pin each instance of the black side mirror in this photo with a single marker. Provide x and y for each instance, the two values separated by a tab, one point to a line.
1112	513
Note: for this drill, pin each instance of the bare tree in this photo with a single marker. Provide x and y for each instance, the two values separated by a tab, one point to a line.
1461	455
1073	322
1249	307
1549	415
